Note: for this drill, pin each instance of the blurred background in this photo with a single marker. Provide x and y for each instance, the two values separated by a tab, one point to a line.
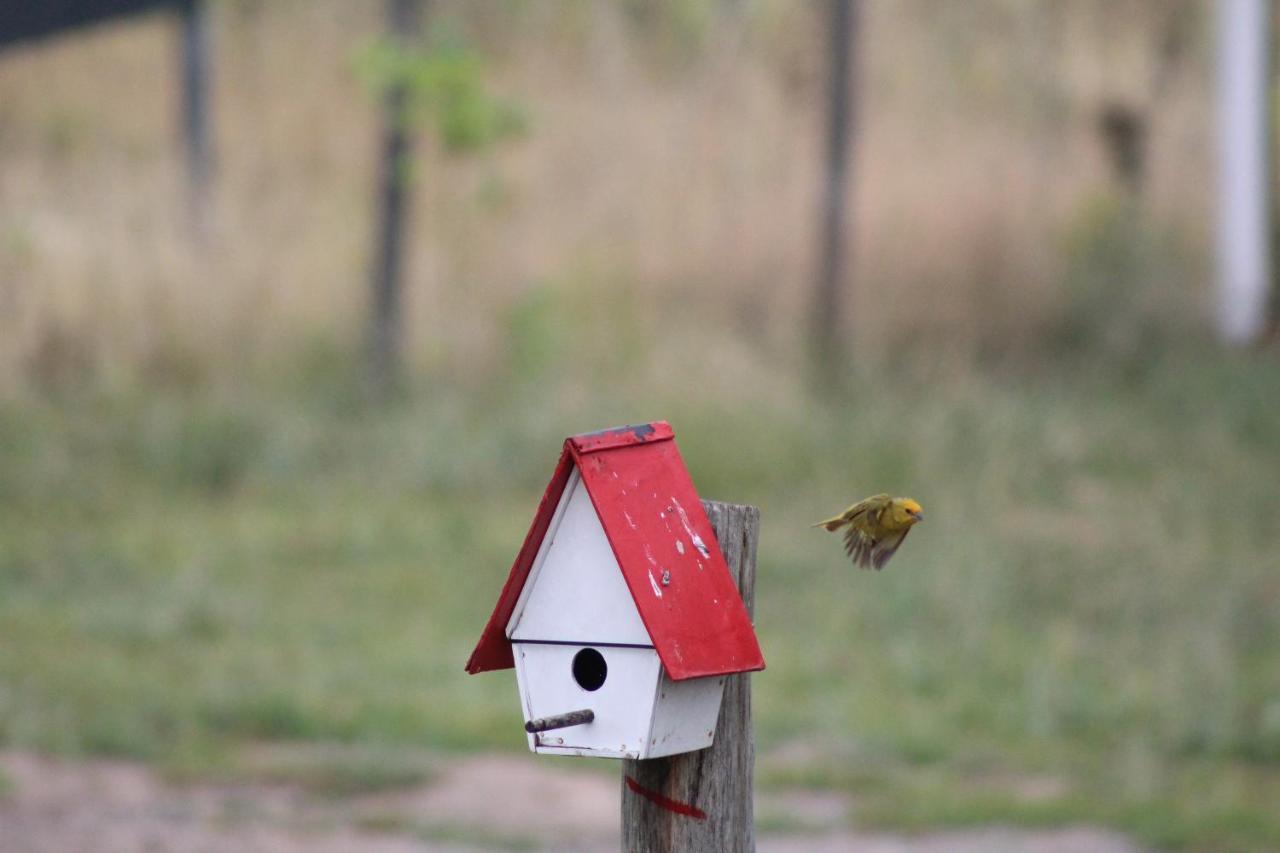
299	299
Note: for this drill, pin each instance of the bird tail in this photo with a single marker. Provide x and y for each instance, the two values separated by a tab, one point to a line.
834	523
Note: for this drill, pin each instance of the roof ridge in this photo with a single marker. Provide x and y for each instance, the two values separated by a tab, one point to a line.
622	436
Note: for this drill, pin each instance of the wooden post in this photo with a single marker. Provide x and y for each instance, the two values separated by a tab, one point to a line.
700	802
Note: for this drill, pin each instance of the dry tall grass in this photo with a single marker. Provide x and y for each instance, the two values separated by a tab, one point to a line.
671	171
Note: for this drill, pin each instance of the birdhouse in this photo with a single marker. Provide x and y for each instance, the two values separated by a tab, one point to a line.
619	614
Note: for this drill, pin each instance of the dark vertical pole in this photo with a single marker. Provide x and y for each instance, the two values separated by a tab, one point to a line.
385	332
715	784
827	350
1271	307
1124	133
196	124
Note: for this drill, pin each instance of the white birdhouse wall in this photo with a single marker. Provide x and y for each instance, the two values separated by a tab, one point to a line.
685	715
623	703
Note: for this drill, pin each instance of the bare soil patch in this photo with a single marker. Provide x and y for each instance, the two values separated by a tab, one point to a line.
486	802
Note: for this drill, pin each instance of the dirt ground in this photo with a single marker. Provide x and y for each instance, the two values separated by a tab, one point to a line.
487	802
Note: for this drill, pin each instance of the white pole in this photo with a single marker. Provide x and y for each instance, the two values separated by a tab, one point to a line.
1244	268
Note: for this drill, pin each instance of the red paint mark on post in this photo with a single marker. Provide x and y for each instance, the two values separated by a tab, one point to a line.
666	802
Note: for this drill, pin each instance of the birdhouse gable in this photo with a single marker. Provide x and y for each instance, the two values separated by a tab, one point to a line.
575	592
621	552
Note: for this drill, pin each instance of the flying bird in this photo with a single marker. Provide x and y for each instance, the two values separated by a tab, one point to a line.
876	527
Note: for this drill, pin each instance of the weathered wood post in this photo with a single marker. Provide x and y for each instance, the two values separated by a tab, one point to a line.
700	802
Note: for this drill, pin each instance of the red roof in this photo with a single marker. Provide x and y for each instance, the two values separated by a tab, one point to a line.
644	496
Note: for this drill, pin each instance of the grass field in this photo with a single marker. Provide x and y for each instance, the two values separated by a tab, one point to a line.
1084	630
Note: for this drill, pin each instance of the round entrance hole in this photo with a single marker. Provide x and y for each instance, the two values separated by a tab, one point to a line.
589	669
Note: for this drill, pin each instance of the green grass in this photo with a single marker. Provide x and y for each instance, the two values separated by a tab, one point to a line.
1093	600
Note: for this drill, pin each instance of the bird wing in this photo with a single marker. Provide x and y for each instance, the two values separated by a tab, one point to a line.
885	548
859	545
870	552
871	506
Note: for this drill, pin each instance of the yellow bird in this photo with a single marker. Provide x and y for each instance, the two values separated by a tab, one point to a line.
877	526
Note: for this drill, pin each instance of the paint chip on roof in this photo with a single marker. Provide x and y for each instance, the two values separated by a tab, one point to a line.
693	534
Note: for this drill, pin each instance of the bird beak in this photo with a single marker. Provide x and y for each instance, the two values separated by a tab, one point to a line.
919	516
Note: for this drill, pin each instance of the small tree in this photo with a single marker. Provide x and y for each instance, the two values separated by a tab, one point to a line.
438	83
